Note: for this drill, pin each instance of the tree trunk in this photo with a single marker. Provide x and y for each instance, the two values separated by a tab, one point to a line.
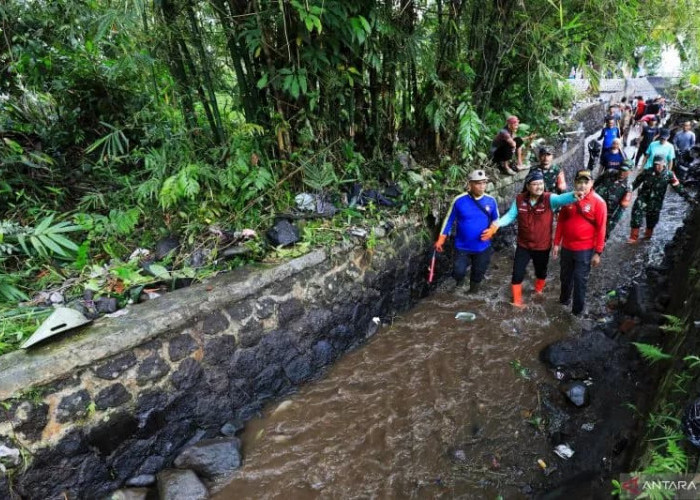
215	120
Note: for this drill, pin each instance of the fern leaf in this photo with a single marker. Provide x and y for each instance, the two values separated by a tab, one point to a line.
693	361
650	352
677	455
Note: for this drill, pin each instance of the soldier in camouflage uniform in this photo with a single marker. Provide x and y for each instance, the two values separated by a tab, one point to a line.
615	189
654	183
554	180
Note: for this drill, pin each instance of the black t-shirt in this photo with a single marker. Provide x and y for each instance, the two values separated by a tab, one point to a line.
653	108
648	134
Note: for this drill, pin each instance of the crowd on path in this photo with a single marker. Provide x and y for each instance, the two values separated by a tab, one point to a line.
572	226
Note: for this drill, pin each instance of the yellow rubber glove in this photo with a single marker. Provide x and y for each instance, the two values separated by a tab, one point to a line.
487	234
440	241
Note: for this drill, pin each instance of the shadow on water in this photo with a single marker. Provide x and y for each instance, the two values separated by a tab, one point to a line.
432	407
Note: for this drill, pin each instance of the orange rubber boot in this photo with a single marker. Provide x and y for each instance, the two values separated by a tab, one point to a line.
539	285
517	295
634	236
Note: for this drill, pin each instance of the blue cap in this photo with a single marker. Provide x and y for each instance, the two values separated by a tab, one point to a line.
534	175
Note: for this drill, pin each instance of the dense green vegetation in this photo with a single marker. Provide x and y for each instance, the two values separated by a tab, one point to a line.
123	121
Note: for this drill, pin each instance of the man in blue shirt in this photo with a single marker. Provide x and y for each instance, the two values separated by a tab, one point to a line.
609	133
472	212
685	139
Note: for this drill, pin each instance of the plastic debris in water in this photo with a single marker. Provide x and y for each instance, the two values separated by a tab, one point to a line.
564	451
282	406
465	316
520	370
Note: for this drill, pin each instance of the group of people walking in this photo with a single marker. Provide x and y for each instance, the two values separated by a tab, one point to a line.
572	226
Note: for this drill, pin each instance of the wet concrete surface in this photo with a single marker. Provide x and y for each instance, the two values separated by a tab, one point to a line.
432	407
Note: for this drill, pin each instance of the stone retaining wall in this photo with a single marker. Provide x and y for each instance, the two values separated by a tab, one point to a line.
121	398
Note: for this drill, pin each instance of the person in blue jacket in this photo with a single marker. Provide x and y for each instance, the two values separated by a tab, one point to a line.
472	212
608	133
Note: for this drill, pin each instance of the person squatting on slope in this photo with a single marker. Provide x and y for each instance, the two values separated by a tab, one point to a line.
472	212
653	184
580	237
507	145
534	210
613	186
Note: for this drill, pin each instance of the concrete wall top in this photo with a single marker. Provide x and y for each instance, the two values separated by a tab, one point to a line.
23	369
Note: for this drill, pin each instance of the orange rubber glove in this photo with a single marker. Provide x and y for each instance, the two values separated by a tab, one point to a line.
487	234
440	241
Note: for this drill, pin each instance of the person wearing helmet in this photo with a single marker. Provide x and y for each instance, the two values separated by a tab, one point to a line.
507	145
653	184
613	186
471	212
660	147
649	130
609	133
580	237
534	210
554	180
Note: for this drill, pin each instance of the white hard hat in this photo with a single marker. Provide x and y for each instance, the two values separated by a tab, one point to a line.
478	175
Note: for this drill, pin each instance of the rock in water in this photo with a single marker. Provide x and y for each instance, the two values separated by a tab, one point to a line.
129	494
213	459
578	394
180	485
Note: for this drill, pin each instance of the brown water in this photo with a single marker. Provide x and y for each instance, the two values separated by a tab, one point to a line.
431	407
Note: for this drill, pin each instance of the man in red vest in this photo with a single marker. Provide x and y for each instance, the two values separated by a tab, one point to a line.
534	210
580	236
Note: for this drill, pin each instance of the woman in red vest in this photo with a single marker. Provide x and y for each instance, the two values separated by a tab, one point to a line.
534	210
